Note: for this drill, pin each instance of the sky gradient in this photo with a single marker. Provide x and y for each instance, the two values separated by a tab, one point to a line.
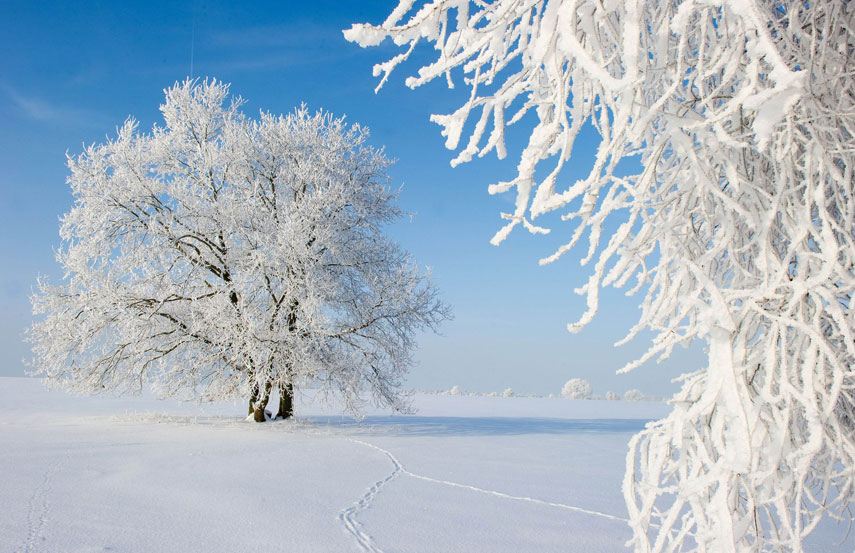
72	73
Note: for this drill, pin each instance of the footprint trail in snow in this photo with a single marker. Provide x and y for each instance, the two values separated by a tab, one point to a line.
37	514
399	469
348	516
366	542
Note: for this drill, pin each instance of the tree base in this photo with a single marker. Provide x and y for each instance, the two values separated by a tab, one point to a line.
257	404
286	401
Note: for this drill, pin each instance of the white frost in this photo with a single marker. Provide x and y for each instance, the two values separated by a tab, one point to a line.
738	231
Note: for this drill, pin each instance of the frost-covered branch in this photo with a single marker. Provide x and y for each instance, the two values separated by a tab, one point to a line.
737	230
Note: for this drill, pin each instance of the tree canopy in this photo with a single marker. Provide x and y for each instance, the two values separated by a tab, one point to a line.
218	256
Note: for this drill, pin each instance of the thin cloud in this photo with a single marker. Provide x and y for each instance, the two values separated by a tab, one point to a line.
273	61
271	47
86	77
31	107
277	36
41	110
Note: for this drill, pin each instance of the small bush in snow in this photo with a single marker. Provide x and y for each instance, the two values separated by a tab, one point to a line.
576	388
508	393
454	391
612	396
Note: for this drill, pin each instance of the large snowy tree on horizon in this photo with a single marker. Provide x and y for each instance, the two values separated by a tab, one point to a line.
220	256
737	231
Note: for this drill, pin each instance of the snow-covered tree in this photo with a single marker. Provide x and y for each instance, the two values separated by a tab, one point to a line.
633	395
737	230
611	396
576	388
219	256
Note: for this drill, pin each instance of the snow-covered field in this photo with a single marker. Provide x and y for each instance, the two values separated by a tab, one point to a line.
465	474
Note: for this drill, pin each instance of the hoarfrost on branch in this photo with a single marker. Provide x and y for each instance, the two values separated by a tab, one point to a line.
738	230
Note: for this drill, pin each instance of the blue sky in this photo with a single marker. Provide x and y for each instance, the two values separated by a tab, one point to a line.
71	72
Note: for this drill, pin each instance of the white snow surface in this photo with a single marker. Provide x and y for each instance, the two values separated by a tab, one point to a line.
464	474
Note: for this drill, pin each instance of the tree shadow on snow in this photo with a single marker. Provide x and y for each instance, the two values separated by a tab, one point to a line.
479	426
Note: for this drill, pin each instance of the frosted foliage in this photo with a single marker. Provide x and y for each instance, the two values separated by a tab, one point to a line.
738	230
633	395
576	388
218	254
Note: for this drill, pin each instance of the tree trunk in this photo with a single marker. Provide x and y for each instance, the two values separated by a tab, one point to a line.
286	390
257	407
286	401
253	398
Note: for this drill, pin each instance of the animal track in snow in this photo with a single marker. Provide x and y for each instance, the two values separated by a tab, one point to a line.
348	516
366	542
37	514
399	469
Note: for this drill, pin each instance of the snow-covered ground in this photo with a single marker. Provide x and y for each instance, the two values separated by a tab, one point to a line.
464	474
